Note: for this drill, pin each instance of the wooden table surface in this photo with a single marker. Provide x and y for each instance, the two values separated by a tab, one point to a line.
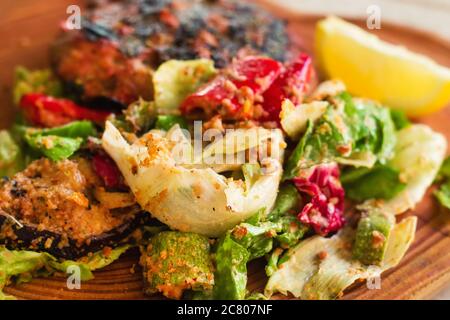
27	27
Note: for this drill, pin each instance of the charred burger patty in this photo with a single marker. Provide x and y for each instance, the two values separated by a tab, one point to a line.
122	41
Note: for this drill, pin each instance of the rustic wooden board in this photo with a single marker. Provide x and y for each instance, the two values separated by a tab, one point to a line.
26	31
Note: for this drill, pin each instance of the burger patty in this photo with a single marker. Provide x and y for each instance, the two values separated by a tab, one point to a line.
121	42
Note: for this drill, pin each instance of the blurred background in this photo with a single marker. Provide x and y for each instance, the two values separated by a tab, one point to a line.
430	15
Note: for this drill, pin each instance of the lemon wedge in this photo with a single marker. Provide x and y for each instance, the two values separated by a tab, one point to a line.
379	70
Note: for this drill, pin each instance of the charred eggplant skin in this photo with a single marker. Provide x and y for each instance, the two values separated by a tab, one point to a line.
15	235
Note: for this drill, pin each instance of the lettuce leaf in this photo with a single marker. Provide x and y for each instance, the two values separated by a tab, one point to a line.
255	238
37	81
60	142
419	154
166	122
380	182
352	132
443	193
230	277
307	276
174	80
24	265
11	155
400	119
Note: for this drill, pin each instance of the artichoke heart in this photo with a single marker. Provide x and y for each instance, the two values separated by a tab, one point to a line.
191	196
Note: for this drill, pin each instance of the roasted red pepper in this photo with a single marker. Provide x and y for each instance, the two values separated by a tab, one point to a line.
45	111
293	83
108	171
325	210
237	91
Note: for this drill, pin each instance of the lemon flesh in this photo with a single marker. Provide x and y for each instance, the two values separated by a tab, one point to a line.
379	70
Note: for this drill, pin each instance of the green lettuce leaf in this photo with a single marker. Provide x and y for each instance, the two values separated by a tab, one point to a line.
60	142
230	277
380	182
400	119
307	276
23	265
352	132
174	80
166	122
443	193
38	81
255	238
11	155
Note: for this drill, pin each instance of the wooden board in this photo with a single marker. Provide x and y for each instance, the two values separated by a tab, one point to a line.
26	31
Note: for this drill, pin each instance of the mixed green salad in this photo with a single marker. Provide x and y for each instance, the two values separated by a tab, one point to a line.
309	179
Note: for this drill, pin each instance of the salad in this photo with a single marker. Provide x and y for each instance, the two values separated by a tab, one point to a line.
215	167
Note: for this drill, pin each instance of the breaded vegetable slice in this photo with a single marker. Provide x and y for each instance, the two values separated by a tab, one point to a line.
176	261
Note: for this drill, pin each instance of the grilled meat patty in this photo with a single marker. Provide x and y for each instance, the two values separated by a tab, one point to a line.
122	41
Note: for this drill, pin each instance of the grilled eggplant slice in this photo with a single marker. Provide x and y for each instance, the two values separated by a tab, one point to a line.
51	207
121	41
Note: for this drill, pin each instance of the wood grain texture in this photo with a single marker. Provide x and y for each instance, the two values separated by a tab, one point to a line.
26	30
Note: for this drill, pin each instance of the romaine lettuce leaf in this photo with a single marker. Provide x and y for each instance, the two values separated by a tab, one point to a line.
230	277
380	182
174	80
60	142
352	132
23	265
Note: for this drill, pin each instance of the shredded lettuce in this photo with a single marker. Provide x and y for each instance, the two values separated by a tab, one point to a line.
37	81
23	265
174	80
